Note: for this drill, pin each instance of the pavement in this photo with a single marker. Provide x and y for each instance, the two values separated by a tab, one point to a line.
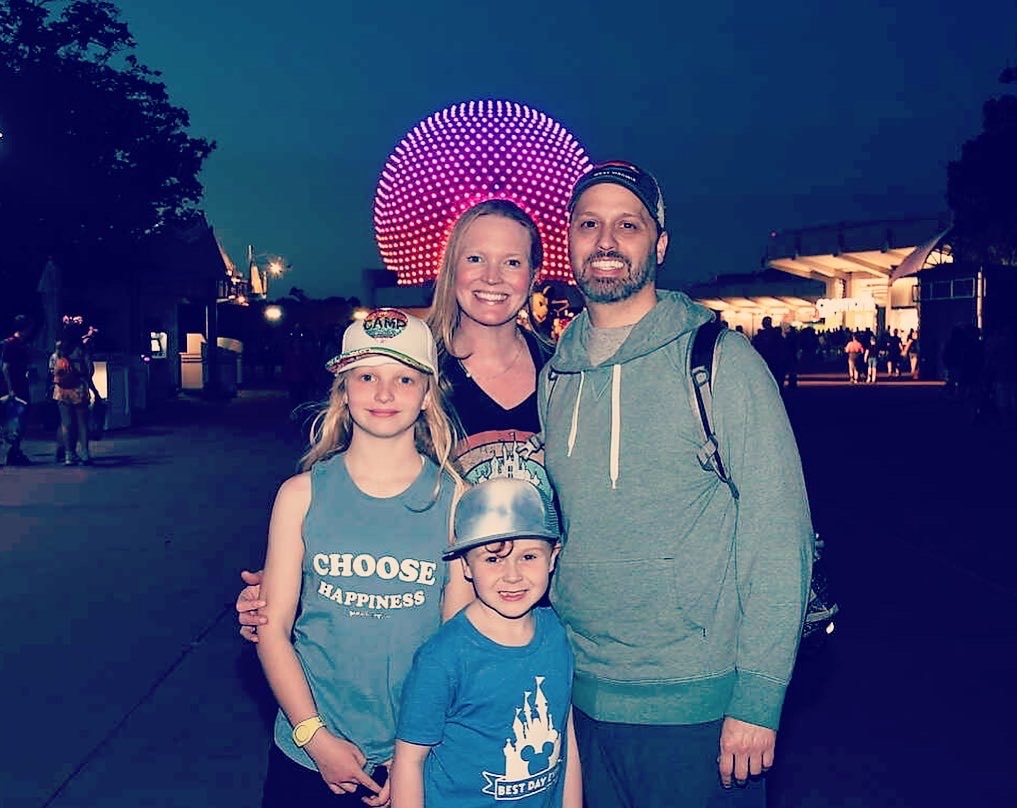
124	681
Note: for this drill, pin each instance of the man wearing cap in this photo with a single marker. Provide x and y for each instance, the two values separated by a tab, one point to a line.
683	605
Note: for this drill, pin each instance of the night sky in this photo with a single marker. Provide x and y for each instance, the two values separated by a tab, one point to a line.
754	116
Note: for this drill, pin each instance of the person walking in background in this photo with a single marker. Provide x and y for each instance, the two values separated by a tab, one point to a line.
486	709
353	576
61	449
73	389
853	350
674	698
769	342
14	368
893	346
909	352
791	343
871	358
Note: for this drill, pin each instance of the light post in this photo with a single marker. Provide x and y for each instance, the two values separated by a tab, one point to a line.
273	313
260	279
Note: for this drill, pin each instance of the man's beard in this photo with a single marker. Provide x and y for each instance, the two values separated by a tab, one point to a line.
599	289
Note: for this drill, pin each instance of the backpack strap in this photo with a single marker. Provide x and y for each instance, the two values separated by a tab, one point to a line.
702	357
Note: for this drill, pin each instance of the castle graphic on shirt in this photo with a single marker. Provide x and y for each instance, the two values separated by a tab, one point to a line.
501	453
532	752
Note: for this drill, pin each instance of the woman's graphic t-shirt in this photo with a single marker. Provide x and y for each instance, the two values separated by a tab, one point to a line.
497	442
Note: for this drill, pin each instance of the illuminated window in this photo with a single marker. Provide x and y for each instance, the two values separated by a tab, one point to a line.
157	344
949	290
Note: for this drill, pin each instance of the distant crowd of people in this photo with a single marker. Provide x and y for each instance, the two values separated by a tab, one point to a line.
868	354
789	350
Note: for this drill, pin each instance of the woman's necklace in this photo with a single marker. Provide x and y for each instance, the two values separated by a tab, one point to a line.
502	372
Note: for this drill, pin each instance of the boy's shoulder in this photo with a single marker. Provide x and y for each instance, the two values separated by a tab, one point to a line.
549	624
448	640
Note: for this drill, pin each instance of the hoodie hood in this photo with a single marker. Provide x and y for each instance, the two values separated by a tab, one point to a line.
656	329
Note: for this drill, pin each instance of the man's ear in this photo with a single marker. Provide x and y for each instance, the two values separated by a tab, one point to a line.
661	247
466	569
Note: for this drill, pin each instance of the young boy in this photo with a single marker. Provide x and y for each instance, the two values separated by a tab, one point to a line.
486	709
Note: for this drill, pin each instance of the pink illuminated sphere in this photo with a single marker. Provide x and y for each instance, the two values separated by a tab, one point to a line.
467	154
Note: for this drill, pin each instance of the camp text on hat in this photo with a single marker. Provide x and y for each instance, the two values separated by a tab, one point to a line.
629	176
387	335
501	509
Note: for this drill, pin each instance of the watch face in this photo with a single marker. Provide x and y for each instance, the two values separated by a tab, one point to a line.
303	732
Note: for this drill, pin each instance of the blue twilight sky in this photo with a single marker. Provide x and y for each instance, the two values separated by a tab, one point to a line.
754	116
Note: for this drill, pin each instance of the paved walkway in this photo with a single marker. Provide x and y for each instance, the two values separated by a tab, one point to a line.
124	683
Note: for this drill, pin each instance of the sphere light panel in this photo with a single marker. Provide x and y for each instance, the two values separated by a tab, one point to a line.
466	154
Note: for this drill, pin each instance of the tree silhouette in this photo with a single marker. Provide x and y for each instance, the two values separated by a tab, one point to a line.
982	185
94	157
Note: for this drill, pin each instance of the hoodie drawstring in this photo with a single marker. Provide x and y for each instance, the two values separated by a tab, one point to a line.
575	416
615	453
615	423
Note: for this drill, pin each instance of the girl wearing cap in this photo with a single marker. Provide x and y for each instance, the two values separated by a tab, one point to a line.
353	576
486	710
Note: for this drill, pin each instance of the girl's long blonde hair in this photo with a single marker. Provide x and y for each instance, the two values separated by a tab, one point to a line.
331	431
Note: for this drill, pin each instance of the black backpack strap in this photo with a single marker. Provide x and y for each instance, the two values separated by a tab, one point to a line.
701	367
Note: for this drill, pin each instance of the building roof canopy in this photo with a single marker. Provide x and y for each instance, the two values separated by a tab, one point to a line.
866	249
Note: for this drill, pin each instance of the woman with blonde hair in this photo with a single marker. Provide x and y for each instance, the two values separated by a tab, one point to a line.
354	577
487	362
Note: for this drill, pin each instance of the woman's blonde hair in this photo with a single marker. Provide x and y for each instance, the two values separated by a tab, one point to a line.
331	431
445	314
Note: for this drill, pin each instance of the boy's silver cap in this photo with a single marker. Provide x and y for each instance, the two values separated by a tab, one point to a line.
498	510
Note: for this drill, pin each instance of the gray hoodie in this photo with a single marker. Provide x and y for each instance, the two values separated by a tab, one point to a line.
682	605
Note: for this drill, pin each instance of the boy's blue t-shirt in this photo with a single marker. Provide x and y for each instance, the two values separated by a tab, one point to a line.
495	716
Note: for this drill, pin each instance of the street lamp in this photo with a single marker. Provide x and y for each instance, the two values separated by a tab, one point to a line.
259	278
273	313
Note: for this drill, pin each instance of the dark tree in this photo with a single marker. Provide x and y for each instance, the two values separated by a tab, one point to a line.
93	156
982	185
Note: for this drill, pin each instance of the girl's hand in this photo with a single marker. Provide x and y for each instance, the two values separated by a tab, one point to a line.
340	763
383	797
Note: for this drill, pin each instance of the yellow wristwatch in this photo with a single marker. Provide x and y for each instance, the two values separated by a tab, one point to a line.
304	731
